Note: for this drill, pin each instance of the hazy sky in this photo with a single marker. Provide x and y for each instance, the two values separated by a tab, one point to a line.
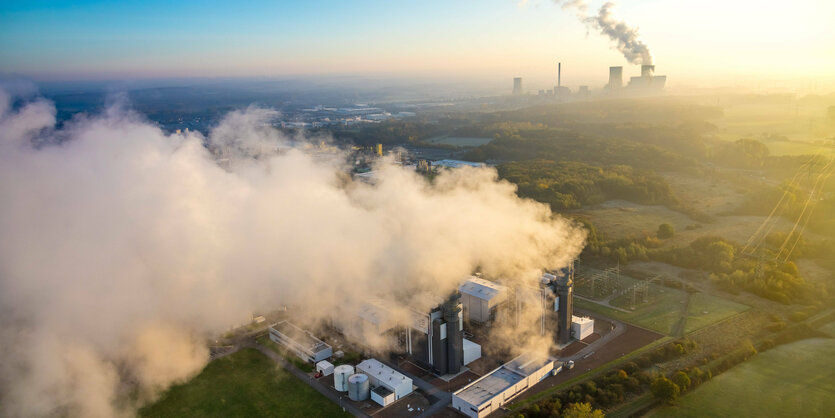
693	42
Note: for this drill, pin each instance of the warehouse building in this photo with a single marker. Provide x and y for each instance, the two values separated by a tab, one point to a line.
481	298
495	389
300	342
387	384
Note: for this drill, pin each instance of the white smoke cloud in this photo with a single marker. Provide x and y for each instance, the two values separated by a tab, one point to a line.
625	37
124	248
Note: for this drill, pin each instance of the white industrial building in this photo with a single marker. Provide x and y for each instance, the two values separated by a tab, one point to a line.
300	342
581	327
371	318
480	298
388	384
472	351
325	367
493	390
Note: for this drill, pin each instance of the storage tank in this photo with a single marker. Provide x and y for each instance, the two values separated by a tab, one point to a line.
358	387
340	377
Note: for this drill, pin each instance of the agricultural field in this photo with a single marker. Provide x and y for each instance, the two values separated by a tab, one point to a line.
829	329
792	380
459	141
243	384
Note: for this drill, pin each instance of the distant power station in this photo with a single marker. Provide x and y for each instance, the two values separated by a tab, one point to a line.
517	86
646	82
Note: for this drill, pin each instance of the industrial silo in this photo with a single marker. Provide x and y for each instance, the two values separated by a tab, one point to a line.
340	377
358	387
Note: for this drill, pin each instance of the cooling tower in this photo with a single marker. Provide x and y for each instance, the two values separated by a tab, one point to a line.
615	77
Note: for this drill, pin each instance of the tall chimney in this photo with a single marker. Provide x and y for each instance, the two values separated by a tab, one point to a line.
559	74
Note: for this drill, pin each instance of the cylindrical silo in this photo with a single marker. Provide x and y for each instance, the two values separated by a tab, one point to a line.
358	387
340	377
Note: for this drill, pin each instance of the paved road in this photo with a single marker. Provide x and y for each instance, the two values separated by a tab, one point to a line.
443	398
304	377
620	328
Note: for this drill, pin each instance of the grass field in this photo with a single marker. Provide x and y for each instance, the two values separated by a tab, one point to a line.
459	141
705	309
795	380
664	308
244	384
829	328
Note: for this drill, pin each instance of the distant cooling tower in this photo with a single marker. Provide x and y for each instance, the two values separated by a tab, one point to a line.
647	71
615	77
517	86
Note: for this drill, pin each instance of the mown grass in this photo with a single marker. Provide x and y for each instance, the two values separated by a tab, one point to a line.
796	379
705	310
243	384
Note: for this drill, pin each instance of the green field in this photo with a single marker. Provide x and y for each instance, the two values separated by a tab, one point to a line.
664	307
829	328
705	309
795	380
244	384
459	141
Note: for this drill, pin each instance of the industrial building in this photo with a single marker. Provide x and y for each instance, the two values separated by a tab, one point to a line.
648	81
387	384
481	298
581	327
495	389
300	342
439	344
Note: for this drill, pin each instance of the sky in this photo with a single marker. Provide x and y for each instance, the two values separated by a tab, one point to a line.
707	42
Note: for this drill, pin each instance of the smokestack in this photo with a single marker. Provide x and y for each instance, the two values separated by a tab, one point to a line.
615	77
559	74
564	288
647	71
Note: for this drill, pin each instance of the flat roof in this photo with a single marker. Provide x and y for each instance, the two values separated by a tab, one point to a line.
581	319
382	391
384	374
482	289
484	389
300	336
497	381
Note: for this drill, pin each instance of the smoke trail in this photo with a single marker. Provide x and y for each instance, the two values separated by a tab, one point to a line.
625	37
124	248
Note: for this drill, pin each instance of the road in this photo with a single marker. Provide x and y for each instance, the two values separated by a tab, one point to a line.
304	377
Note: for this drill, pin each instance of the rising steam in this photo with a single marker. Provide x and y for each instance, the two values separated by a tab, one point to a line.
125	248
625	37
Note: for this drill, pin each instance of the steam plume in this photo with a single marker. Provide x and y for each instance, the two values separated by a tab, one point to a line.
124	248
625	37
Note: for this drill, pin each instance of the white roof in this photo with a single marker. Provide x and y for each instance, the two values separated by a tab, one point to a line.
497	381
482	289
384	374
580	319
324	364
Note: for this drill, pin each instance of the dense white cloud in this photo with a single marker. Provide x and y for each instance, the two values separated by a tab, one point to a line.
124	247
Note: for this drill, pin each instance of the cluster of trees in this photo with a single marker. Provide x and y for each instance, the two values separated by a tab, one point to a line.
525	141
610	388
570	185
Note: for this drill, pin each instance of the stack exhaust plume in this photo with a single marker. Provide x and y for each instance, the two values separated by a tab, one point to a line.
647	71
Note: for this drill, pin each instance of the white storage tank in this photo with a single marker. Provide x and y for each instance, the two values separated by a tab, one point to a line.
358	387
340	377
